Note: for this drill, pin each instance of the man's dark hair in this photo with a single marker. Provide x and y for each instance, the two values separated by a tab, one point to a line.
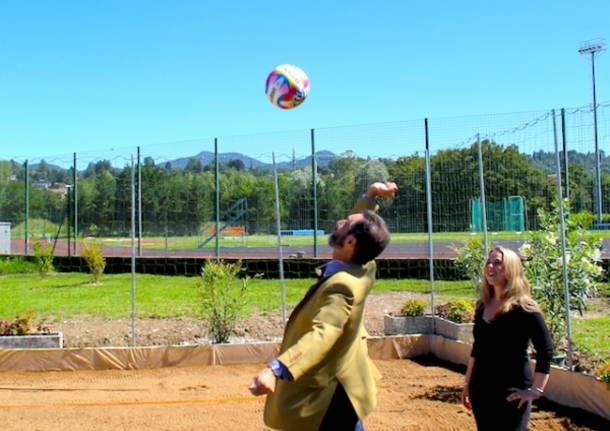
371	235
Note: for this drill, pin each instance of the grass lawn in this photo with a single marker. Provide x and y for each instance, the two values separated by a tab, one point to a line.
65	295
593	336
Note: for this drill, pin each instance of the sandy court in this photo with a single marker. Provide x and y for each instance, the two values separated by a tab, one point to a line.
411	396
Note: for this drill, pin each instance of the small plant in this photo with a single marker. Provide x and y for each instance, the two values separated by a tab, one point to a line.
603	373
20	326
44	257
413	308
92	253
470	260
222	297
460	311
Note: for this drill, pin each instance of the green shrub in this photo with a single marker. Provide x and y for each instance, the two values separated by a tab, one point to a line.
413	307
44	257
470	260
544	267
460	311
222	297
92	253
584	218
16	265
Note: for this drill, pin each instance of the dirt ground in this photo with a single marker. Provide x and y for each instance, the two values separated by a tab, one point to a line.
412	396
95	332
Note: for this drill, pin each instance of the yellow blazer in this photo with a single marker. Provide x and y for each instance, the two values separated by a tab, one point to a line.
325	343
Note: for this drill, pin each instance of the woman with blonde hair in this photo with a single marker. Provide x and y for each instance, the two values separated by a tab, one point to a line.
499	386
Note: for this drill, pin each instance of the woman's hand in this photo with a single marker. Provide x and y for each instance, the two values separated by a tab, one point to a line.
523	395
466	397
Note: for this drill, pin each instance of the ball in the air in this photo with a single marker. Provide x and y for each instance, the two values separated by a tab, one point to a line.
287	86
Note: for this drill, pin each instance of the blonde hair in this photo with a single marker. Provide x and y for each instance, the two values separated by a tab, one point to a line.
517	290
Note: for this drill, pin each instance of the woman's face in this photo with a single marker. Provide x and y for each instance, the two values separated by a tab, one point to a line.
494	269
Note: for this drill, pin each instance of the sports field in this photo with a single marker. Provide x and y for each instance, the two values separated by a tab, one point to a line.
412	396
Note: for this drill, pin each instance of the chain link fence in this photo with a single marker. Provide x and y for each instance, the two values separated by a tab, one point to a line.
460	178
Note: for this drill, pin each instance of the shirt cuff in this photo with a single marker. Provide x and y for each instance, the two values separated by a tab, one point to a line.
369	199
280	370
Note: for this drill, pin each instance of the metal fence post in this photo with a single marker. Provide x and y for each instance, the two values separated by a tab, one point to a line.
314	185
75	188
139	204
565	153
217	197
429	212
483	200
27	206
69	221
278	223
564	261
133	255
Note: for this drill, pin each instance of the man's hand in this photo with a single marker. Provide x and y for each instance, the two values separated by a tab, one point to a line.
264	383
385	190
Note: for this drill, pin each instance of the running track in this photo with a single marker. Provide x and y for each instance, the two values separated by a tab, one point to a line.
441	250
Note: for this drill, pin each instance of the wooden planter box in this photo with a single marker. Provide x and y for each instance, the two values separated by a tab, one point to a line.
32	341
398	325
454	331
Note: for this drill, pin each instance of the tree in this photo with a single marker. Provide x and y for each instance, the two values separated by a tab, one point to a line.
236	164
370	172
194	166
42	171
105	203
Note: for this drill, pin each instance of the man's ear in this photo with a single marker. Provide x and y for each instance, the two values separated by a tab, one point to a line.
350	240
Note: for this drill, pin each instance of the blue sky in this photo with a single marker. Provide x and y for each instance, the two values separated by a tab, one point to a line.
80	76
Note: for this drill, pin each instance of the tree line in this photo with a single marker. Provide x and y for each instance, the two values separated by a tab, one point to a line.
177	202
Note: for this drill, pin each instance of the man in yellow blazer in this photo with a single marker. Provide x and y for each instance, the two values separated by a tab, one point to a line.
323	378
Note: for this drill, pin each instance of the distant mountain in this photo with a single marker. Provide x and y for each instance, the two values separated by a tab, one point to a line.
207	157
50	167
323	157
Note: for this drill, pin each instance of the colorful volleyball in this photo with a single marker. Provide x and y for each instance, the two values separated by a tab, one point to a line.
287	86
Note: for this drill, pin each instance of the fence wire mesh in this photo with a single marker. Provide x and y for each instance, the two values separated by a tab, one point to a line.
214	198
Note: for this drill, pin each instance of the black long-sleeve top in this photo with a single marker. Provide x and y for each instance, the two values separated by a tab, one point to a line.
500	349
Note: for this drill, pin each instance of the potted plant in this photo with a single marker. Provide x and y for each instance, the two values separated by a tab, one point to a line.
410	320
18	333
603	374
454	320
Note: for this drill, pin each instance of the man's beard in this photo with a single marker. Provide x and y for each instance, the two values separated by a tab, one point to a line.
336	240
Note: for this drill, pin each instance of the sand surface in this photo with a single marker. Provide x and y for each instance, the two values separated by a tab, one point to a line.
412	396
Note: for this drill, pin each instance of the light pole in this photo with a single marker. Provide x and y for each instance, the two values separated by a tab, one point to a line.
590	48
